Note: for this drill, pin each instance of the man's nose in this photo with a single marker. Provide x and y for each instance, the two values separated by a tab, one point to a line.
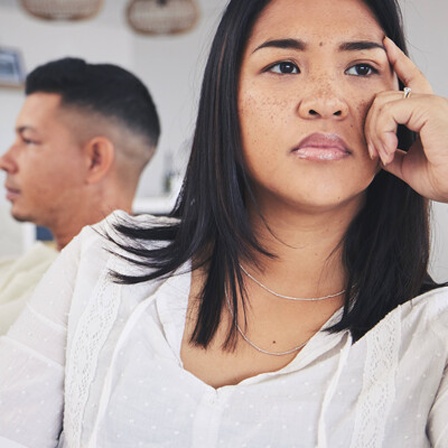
7	161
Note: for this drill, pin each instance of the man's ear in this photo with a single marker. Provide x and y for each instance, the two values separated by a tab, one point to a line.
100	155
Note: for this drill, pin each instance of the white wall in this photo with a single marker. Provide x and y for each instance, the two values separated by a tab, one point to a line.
428	43
172	68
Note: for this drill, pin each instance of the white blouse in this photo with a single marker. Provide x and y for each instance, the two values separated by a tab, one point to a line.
100	362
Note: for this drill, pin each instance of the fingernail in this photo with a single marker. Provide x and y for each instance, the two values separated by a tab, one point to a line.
389	40
384	155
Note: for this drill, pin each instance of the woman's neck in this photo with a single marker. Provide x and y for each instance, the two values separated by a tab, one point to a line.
307	251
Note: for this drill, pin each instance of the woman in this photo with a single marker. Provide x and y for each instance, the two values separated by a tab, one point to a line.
273	308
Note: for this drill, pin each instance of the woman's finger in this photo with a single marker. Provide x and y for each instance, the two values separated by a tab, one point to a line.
388	111
406	70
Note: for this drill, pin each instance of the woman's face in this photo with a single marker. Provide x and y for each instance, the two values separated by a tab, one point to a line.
309	74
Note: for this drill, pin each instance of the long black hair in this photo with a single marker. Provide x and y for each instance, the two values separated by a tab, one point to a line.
385	250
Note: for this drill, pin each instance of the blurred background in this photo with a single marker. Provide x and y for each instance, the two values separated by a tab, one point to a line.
171	66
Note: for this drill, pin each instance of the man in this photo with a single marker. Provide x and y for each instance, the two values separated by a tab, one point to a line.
83	137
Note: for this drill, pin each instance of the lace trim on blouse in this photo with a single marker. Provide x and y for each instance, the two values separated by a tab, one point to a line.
92	331
378	390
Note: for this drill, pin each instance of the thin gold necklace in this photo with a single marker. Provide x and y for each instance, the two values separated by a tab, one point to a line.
257	347
281	296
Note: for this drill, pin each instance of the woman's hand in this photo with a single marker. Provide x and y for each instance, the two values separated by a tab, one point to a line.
425	166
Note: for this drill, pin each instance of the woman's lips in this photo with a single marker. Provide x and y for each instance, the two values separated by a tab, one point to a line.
322	147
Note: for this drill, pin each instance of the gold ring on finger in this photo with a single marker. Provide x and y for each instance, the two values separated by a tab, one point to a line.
407	92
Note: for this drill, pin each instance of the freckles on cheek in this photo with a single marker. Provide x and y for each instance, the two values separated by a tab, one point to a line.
251	116
362	110
364	106
259	111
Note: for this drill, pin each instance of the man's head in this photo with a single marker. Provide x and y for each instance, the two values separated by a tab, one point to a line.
83	137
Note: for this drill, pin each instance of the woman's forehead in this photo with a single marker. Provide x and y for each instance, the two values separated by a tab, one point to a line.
323	20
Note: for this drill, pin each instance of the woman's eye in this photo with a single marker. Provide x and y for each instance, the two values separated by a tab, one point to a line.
284	68
361	70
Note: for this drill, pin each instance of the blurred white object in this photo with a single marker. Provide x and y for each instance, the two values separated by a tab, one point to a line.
162	16
62	9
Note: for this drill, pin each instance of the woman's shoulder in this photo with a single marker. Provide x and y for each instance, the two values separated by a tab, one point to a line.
427	312
433	303
433	306
107	233
119	220
143	221
409	333
117	241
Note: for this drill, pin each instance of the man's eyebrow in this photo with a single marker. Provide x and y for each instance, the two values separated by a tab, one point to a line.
360	45
24	128
294	44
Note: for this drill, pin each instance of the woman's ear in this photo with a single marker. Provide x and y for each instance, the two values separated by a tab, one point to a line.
100	155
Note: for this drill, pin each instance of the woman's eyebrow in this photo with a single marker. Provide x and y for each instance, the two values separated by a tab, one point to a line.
295	44
360	45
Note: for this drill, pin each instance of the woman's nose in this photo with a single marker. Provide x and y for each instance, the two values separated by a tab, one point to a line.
323	103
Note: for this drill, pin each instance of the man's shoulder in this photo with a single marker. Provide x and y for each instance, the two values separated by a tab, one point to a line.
18	279
34	261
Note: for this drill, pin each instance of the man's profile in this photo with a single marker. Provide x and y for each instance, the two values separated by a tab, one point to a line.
83	137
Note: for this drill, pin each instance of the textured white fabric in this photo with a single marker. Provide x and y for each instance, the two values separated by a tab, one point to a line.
18	278
118	349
